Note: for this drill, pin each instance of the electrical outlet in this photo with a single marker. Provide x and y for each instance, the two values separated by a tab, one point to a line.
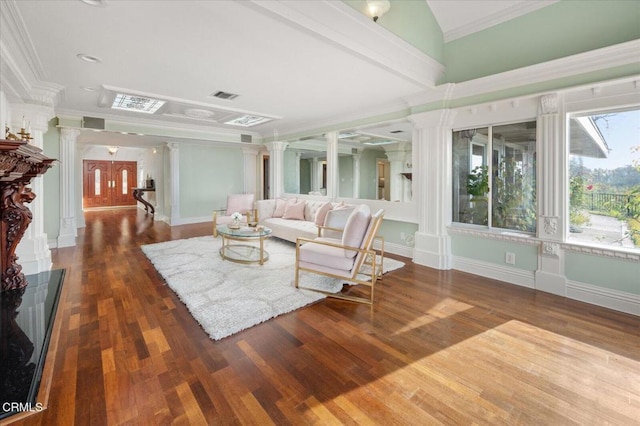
510	258
403	236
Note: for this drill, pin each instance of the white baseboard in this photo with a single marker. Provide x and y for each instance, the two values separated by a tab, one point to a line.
612	299
497	272
399	249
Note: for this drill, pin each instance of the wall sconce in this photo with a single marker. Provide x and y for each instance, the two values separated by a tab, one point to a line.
113	149
377	8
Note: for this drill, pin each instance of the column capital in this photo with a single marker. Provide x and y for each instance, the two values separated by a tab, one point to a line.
37	116
549	103
68	133
276	146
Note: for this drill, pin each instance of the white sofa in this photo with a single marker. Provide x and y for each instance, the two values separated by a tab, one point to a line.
290	229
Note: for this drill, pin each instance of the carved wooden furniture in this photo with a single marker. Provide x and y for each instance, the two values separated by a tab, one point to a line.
20	162
138	193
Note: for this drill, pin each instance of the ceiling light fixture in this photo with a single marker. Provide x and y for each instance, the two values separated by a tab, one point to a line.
377	8
136	103
113	149
89	58
247	120
94	2
88	89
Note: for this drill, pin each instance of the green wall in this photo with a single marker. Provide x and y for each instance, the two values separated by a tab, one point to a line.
207	176
562	29
413	21
345	176
51	182
493	251
615	274
390	230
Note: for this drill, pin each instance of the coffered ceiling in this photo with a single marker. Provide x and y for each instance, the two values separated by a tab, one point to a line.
297	65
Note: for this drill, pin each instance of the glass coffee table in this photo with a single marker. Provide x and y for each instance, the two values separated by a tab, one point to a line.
241	251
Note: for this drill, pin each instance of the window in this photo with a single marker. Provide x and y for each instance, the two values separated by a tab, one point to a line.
604	178
501	161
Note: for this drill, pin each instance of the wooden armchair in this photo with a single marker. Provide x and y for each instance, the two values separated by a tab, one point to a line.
351	258
241	203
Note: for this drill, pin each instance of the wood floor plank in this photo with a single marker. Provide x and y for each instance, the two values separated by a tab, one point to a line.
437	347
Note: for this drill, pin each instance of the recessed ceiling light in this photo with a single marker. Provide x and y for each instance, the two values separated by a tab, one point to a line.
89	58
88	89
248	120
136	103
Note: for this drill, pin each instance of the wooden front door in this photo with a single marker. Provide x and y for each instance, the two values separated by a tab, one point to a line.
108	183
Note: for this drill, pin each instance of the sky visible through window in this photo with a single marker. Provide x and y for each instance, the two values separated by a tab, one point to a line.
621	130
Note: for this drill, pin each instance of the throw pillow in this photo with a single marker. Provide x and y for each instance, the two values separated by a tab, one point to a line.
294	210
321	214
281	204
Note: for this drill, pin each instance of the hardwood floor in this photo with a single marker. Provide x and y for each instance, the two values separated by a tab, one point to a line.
438	347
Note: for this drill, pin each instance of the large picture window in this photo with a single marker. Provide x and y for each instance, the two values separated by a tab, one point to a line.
494	176
604	178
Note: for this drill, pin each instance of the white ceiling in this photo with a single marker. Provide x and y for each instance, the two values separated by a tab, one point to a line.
306	64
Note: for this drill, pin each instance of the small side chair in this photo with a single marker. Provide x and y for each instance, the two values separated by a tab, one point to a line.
351	258
241	203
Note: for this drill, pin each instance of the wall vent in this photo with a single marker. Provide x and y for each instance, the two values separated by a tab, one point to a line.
245	138
397	131
92	123
224	95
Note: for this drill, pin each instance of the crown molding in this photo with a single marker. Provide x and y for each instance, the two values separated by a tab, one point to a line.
581	63
497	18
23	77
340	24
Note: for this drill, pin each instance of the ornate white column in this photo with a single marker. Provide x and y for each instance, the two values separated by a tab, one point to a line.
356	174
68	221
174	186
432	150
250	167
551	196
332	164
33	250
296	173
276	167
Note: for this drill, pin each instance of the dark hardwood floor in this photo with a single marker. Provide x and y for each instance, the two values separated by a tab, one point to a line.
437	347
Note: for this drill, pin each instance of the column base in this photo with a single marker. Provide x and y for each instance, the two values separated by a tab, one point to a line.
433	251
68	233
34	255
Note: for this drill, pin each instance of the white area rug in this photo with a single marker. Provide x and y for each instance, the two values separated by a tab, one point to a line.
227	297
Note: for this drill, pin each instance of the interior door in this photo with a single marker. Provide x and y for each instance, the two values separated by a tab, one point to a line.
108	183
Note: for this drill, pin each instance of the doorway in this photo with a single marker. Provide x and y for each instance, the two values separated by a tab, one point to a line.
108	183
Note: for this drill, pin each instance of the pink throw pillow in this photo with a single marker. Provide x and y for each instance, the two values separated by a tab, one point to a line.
281	204
294	211
321	214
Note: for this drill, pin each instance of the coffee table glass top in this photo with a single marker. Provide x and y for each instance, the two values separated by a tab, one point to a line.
243	232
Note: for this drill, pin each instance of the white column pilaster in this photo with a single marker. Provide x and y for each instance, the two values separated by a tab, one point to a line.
33	250
396	165
68	221
551	227
276	167
332	164
297	172
174	187
315	174
432	150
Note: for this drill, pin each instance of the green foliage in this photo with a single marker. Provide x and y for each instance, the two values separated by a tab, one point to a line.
478	182
514	198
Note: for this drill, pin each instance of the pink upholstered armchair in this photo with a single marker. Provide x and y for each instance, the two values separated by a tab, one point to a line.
241	203
351	258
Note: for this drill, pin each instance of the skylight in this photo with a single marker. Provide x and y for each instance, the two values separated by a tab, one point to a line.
136	103
247	120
